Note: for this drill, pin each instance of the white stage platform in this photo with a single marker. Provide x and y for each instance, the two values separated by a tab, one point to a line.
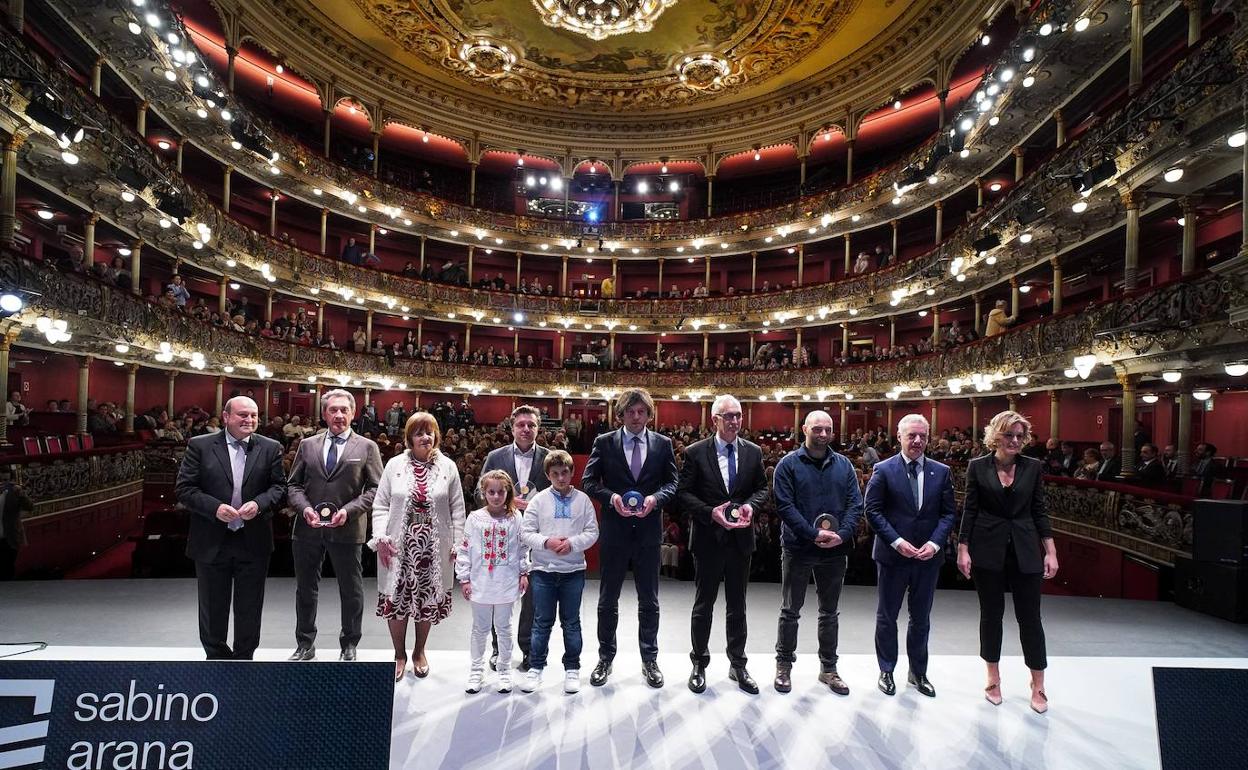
1101	716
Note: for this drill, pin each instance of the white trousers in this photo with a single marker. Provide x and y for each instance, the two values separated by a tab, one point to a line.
483	615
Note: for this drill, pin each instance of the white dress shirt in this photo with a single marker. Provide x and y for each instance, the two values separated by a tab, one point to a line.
524	464
329	441
628	447
723	458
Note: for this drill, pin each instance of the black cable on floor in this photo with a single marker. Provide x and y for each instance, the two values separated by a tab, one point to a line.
35	647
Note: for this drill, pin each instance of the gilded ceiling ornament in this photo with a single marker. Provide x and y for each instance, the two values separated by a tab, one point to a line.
704	70
599	19
486	57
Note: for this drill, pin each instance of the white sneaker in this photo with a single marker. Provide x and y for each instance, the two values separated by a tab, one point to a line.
532	680
504	681
572	681
474	681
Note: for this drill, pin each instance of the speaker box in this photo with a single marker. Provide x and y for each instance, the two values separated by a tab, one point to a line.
1220	590
1220	531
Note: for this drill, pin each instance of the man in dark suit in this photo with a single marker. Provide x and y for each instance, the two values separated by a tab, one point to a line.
13	501
631	459
232	482
1150	473
522	460
340	467
1111	464
910	505
721	473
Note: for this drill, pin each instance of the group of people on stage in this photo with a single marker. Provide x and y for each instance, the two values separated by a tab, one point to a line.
529	530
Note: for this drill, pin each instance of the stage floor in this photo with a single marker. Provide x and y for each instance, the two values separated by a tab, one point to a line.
1099	683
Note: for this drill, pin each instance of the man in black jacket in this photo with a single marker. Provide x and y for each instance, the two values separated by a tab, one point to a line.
232	482
722	482
13	501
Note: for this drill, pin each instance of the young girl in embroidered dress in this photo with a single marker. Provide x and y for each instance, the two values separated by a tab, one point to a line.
492	568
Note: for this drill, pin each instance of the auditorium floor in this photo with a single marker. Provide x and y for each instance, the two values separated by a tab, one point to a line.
1101	653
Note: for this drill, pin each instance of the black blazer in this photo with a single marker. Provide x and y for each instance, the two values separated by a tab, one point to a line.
1153	474
993	517
607	473
1111	470
352	485
701	488
205	481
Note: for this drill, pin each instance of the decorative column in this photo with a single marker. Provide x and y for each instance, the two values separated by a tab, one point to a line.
472	250
849	161
96	70
1057	285
940	223
935	430
178	155
1018	164
801	179
848	258
519	256
975	414
376	152
268	305
979	315
222	286
136	267
935	324
7	337
943	96
1011	402
8	193
328	117
563	278
231	53
422	252
140	120
844	340
1126	445
1137	47
472	182
710	189
320	318
131	371
844	419
225	188
896	226
892	330
268	400
220	396
17	20
273	196
1059	122
801	263
752	342
616	214
172	376
1055	413
368	327
979	193
753	271
1015	296
325	229
368	396
888	417
372	239
88	240
1183	445
84	381
1189	235
1193	22
467	337
706	344
567	195
1131	263
661	261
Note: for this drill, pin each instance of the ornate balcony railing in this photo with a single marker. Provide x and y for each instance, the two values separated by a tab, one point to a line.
62	482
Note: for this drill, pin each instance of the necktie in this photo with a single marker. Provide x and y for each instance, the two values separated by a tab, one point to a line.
238	466
914	481
732	466
332	459
634	463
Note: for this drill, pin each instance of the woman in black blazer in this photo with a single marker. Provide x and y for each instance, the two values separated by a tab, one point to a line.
1006	541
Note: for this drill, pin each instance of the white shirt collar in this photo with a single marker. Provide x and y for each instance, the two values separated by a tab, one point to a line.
720	444
346	434
628	435
515	448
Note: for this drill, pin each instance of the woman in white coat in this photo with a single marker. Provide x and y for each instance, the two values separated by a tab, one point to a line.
418	519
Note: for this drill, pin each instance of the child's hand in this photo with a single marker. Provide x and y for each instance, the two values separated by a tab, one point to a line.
524	583
466	588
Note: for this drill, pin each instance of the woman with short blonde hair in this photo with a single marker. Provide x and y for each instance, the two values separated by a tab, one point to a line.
1006	541
418	519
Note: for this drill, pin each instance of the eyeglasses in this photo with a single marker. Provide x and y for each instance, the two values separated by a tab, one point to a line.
729	416
1014	436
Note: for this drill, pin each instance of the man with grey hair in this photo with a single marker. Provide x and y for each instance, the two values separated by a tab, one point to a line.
332	482
910	505
231	482
722	482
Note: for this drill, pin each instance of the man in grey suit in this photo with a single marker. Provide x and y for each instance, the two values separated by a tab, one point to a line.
232	482
522	460
343	468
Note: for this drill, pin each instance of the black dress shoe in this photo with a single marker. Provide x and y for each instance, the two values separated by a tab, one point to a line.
348	653
743	679
784	682
303	653
697	679
886	684
600	673
921	684
650	670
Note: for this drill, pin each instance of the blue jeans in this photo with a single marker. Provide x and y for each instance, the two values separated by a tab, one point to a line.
564	590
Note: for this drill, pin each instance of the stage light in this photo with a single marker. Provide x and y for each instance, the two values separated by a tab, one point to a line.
10	304
1046	29
966	125
134	28
1082	24
643	187
1029	81
1029	53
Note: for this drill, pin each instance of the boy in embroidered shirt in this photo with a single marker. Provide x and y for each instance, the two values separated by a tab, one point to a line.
559	526
492	568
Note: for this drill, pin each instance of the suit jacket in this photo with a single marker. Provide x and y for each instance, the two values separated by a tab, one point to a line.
504	459
15	502
352	486
992	518
1111	470
889	506
701	488
1151	474
607	473
205	481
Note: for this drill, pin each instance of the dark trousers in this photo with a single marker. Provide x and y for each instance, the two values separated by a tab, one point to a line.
918	579
8	561
239	576
991	586
796	569
557	591
524	627
712	565
621	545
309	553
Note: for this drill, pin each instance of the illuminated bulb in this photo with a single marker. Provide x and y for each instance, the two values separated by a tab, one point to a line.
1237	139
1238	369
1149	398
1079	207
1172	375
1202	395
1029	81
1082	23
45	214
1025	238
1173	174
